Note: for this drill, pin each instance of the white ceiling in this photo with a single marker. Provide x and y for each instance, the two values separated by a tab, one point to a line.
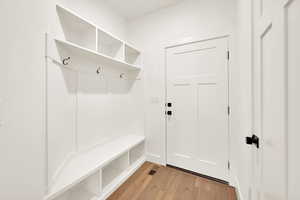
131	9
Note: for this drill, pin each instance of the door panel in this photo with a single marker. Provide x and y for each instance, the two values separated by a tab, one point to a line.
197	130
266	7
269	102
292	33
268	110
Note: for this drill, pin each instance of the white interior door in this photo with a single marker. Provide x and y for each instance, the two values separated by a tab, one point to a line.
292	61
269	100
197	88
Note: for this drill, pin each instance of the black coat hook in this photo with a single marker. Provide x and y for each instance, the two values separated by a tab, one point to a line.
65	61
98	71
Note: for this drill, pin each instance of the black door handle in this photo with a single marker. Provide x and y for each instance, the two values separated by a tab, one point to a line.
169	112
253	140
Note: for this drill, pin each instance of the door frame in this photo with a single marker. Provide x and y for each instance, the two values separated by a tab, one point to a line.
187	41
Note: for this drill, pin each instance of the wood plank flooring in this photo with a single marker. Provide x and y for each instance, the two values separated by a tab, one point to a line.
171	184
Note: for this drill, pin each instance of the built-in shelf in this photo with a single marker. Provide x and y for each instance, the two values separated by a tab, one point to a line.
119	180
77	29
96	173
88	39
110	46
132	56
111	171
136	153
97	57
85	164
89	189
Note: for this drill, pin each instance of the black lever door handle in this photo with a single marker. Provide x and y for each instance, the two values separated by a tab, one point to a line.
253	140
249	140
169	112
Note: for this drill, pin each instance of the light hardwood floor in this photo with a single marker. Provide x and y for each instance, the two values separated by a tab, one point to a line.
171	184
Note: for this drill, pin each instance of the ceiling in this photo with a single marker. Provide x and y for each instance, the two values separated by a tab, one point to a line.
131	9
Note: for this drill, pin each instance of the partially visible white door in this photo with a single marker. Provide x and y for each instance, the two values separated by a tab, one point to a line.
197	113
270	160
292	61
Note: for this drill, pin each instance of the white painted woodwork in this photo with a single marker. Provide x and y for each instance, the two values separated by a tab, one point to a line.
87	40
94	56
197	87
118	181
269	83
76	29
62	94
103	102
132	55
136	152
97	118
89	188
84	164
292	62
108	45
114	169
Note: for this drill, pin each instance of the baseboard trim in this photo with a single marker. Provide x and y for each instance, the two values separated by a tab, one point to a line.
238	188
154	158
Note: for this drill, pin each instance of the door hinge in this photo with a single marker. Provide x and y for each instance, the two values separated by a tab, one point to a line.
228	55
228	165
228	110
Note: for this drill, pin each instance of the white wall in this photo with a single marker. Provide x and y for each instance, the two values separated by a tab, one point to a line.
100	13
25	82
85	109
22	97
191	19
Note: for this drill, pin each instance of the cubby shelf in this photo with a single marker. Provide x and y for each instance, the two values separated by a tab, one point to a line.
77	29
118	181
83	165
88	39
93	55
132	55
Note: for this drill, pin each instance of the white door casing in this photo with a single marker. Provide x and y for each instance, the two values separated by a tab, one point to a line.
197	87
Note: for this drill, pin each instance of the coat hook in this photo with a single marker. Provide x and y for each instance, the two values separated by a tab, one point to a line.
65	61
98	71
122	75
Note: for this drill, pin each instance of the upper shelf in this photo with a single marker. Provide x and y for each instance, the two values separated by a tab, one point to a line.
86	37
85	164
94	55
77	29
132	55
